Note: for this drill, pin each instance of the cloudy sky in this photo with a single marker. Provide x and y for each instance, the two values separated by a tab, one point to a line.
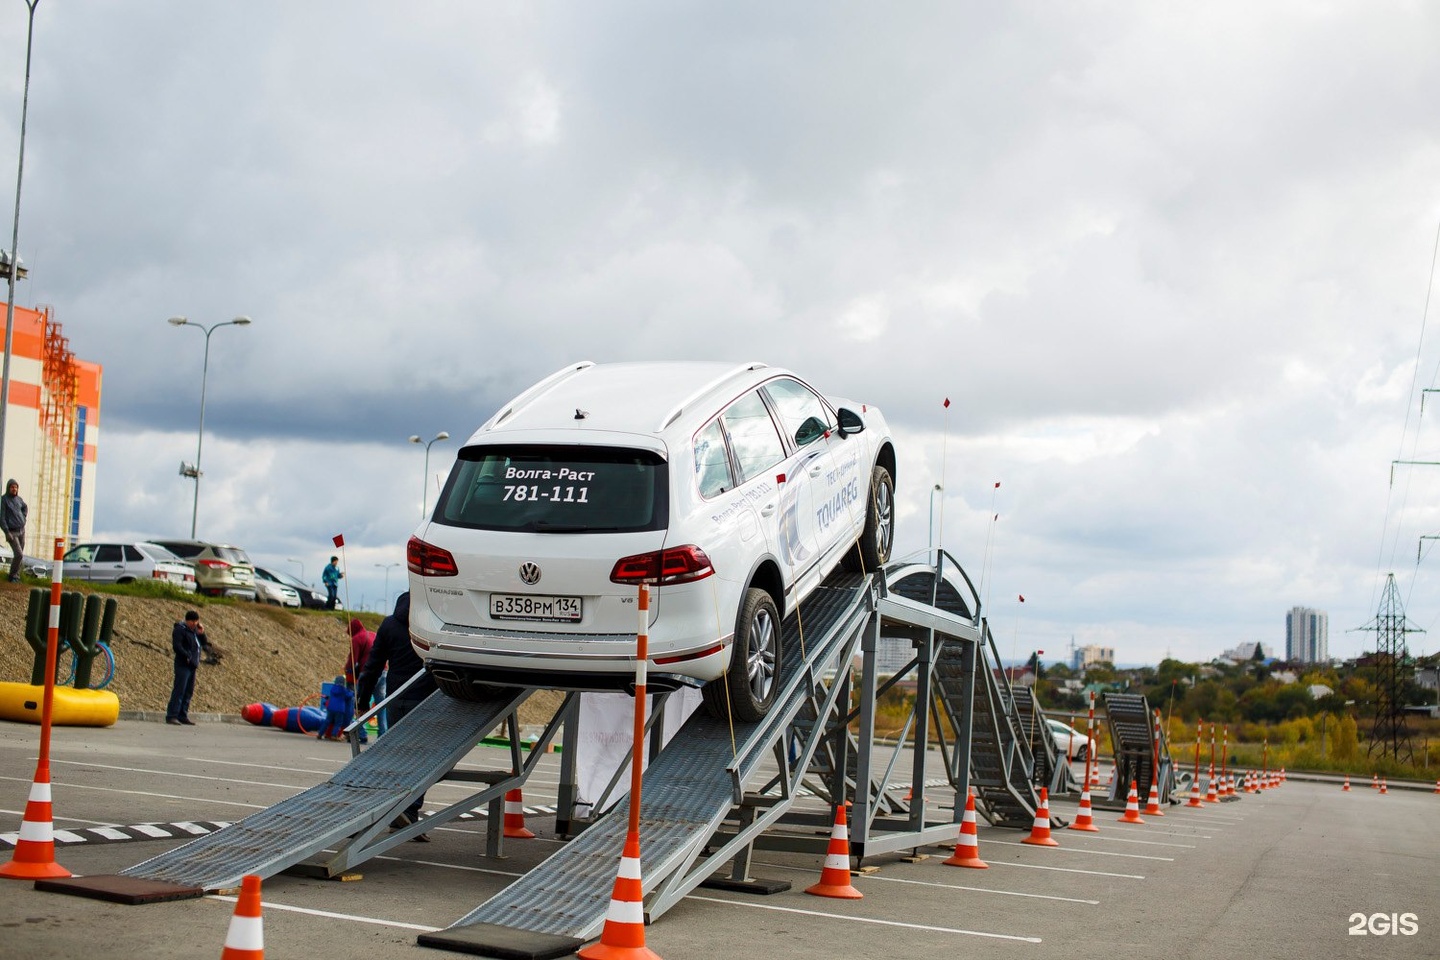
1171	265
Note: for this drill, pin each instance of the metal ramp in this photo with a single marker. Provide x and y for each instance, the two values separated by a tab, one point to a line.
690	789
1052	767
1133	732
353	808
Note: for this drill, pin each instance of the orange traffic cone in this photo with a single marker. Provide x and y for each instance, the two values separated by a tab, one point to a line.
835	877
1230	785
1152	803
513	823
623	936
245	940
1210	796
1040	830
34	857
967	848
1374	781
1083	819
1132	805
1383	788
1437	786
1347	784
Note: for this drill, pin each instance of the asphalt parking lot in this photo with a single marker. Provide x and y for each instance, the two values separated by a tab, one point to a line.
1273	875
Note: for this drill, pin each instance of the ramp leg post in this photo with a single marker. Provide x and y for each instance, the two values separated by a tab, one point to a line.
569	744
494	834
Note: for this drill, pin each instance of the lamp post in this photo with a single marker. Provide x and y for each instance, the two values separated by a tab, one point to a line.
425	486
13	268
301	565
931	532
194	471
386	567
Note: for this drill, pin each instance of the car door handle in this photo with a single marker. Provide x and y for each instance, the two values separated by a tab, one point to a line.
816	470
768	510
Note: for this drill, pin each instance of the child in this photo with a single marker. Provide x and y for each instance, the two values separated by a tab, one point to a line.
339	708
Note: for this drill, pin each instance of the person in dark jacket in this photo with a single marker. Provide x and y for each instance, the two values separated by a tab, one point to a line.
185	641
13	514
392	649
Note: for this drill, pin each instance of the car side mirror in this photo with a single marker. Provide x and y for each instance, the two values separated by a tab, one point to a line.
850	422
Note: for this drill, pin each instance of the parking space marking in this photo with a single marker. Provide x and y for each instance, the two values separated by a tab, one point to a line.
955	886
147	793
1096	853
331	915
886	923
1093	873
173	773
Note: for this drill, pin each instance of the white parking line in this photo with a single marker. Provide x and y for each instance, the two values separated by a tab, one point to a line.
172	773
886	923
271	905
1096	853
147	793
956	886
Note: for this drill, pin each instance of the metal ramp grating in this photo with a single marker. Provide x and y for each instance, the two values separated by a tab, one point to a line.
368	791
688	793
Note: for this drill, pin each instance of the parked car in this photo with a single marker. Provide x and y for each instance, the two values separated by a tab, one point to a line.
221	570
1072	743
32	566
270	590
309	598
126	563
734	490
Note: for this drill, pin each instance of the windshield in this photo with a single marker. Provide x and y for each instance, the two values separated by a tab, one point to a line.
555	489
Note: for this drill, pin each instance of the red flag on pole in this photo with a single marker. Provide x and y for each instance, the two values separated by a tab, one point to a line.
947	403
997	484
339	540
1022	598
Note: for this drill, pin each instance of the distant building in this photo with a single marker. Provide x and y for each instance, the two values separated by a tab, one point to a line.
892	654
51	430
1089	655
1307	636
1242	652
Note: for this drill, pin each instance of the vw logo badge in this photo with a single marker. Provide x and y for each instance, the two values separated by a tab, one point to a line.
530	573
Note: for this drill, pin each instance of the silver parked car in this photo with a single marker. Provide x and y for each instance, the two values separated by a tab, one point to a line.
270	589
126	563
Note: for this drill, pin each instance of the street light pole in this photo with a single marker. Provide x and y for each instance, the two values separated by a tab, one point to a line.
204	376
301	565
387	566
14	270
425	486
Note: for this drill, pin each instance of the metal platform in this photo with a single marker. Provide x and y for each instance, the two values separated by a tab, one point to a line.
354	808
1133	732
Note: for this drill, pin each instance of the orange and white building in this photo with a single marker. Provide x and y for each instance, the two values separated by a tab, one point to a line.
51	429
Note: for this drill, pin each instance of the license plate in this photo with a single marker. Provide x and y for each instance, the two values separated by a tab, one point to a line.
509	606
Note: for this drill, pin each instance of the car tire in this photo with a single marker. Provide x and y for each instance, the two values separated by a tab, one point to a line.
748	688
872	550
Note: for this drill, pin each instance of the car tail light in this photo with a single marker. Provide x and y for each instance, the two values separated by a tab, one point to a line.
429	560
698	654
676	565
215	564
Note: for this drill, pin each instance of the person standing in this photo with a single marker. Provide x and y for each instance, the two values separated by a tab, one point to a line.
185	640
331	577
392	648
360	642
339	708
13	514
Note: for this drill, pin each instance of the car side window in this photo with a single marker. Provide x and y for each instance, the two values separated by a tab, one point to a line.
108	553
712	461
83	554
752	433
133	555
804	415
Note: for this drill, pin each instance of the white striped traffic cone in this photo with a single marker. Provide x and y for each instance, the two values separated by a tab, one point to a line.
835	877
1210	796
1383	788
1346	788
34	857
967	848
1152	802
1132	805
513	823
1195	800
1040	830
623	936
1083	817
245	940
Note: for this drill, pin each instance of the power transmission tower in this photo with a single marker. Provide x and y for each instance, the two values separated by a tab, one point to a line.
1390	735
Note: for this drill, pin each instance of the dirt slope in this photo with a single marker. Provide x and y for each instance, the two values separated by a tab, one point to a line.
269	655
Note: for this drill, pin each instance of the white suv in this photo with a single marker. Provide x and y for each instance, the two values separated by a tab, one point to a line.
734	490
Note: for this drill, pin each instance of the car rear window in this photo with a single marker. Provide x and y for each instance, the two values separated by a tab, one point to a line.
555	489
231	554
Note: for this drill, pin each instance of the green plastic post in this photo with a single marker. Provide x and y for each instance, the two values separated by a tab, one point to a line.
37	623
86	641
